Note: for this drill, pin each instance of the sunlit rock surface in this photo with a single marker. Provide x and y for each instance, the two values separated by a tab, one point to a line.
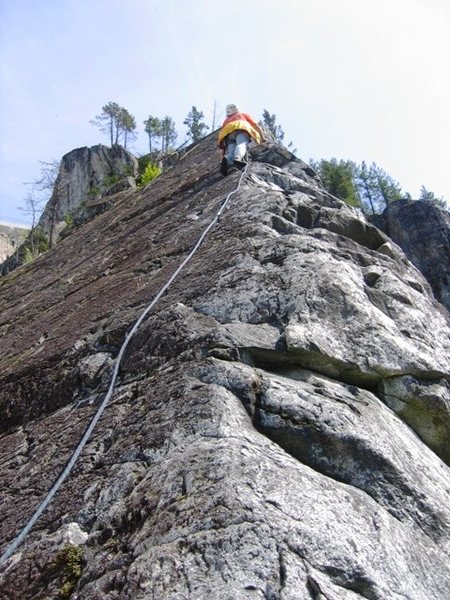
252	448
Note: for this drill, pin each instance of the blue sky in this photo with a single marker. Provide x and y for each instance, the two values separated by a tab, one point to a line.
352	79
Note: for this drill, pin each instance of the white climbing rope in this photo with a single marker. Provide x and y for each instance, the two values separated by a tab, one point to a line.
76	453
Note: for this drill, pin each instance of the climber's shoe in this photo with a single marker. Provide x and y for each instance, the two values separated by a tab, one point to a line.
239	164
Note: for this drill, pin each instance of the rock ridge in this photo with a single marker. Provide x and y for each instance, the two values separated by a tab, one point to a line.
280	423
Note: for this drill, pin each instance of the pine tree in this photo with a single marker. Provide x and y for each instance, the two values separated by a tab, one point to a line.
365	185
428	196
116	122
376	189
338	179
153	129
269	122
388	189
196	127
371	188
126	126
107	121
167	133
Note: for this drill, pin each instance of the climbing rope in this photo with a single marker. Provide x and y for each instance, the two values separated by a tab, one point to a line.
69	466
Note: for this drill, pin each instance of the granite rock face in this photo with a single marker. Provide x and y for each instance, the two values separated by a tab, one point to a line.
84	175
422	230
255	445
89	181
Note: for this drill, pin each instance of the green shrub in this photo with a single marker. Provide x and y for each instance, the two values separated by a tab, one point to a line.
111	179
68	219
34	245
26	255
94	192
40	241
143	161
128	171
68	564
151	171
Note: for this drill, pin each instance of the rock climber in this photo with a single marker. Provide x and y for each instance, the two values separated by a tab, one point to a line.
234	137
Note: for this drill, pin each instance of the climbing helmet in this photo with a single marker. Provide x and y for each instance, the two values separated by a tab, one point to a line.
231	109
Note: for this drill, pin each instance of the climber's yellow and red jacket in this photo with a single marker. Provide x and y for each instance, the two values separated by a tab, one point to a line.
239	122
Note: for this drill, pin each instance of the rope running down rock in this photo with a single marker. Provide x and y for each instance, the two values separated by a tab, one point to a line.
76	453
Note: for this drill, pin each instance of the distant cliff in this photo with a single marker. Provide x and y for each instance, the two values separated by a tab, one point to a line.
86	180
86	174
422	230
10	239
280	425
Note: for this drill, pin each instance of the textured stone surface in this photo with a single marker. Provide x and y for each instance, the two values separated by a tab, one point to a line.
251	448
84	174
422	230
89	181
425	406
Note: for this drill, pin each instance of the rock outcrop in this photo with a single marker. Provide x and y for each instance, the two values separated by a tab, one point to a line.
10	239
89	181
84	175
422	230
254	445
